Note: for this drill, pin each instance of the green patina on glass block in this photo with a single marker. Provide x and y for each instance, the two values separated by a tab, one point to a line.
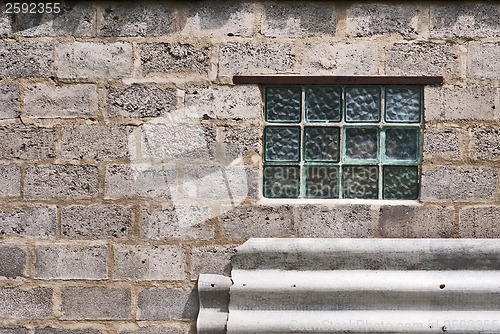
362	104
403	104
283	104
401	144
321	181
323	104
282	143
400	182
321	143
361	144
360	182
281	181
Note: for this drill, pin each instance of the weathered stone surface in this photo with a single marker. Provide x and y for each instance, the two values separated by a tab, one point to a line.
95	303
224	102
441	142
350	221
484	142
6	25
141	101
49	330
10	180
482	60
167	304
22	59
86	60
470	20
182	221
60	181
154	330
174	58
39	221
416	222
376	19
358	58
144	262
96	221
211	260
298	19
65	261
457	103
12	261
26	142
457	183
9	100
25	303
20	330
96	142
255	58
66	101
241	142
479	221
137	19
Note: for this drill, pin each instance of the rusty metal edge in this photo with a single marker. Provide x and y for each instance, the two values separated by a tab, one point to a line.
336	80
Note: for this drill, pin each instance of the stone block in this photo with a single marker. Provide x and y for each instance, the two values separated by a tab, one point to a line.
38	221
368	19
100	221
167	304
32	303
482	60
298	19
346	221
137	19
484	142
96	303
480	221
140	101
211	260
50	330
26	59
458	183
69	261
441	142
9	100
358	58
26	142
6	25
241	142
174	58
256	58
10	180
154	330
20	330
416	222
12	261
144	262
60	181
88	60
66	101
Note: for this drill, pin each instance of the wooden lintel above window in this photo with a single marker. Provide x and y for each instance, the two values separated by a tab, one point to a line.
336	80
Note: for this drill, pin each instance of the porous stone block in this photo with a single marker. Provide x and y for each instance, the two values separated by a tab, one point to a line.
88	59
65	101
60	181
484	143
416	222
10	180
96	303
26	59
144	262
20	330
241	142
154	330
38	221
9	100
167	304
50	330
96	221
140	101
482	60
458	183
479	221
255	58
298	19
32	303
26	142
357	58
441	142
6	25
211	260
174	58
12	261
65	261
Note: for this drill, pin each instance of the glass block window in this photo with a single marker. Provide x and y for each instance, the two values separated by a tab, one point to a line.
342	142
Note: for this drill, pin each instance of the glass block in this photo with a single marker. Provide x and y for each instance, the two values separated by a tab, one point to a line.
360	182
323	104
400	182
322	181
282	143
361	143
362	104
283	104
403	104
401	144
321	143
281	181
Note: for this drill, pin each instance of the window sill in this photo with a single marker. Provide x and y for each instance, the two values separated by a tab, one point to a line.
335	202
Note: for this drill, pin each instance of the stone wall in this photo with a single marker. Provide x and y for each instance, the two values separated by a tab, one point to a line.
129	163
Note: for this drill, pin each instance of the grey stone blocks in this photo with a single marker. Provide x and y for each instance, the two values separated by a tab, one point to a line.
141	101
158	58
482	60
211	260
37	221
26	59
484	142
167	304
441	143
50	330
480	221
9	100
34	303
26	142
10	180
12	261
